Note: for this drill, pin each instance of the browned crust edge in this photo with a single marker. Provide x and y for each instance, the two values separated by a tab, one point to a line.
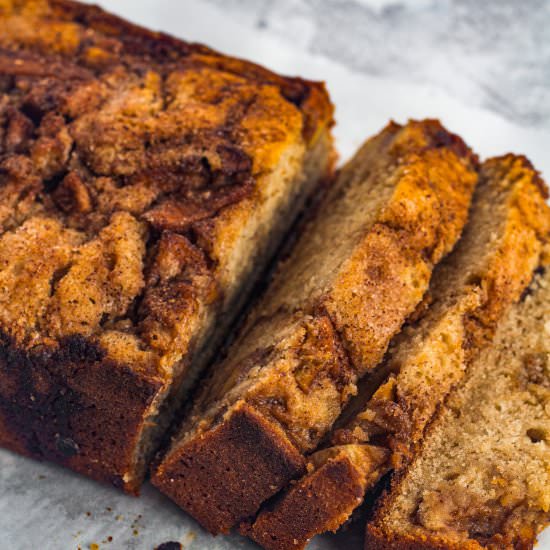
380	538
73	407
310	96
205	476
320	502
377	539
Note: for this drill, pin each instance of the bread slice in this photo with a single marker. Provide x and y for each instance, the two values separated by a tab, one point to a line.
359	268
144	183
482	479
470	290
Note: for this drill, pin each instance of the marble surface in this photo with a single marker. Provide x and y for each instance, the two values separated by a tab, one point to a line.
495	55
482	67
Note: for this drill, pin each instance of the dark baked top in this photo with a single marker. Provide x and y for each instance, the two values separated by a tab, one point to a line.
124	155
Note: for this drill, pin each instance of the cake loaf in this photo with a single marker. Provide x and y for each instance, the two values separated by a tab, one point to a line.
482	479
491	266
358	270
144	184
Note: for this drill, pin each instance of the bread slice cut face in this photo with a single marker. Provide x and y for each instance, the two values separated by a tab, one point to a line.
382	429
482	479
359	269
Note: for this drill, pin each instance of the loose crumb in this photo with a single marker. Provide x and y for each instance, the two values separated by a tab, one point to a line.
170	545
135	525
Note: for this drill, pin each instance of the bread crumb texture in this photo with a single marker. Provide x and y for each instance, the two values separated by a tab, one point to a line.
358	270
499	250
483	477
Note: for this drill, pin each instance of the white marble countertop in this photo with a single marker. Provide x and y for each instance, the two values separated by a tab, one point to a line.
483	68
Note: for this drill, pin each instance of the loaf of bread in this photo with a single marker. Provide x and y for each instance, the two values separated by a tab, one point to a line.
144	184
358	270
482	479
492	264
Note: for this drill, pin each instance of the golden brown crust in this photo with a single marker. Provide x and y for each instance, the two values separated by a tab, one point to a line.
358	270
144	182
402	412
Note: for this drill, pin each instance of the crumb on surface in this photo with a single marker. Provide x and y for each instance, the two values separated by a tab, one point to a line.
169	545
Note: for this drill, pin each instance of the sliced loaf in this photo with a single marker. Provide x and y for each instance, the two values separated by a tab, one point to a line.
470	290
359	269
482	479
145	183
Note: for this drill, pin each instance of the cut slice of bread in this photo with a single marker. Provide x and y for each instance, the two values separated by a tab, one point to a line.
145	183
482	479
470	291
358	270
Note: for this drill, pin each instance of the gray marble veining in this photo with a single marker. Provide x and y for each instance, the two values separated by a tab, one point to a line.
499	48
